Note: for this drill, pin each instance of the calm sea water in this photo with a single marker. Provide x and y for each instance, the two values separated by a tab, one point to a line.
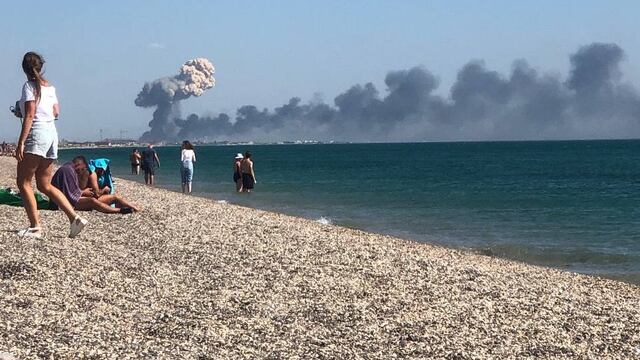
571	205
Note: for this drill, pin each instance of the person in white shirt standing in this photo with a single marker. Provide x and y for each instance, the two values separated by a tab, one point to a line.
187	157
37	147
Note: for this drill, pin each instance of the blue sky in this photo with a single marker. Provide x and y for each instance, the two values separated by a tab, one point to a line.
99	54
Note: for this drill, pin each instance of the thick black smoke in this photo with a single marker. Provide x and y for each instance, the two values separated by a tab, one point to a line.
482	104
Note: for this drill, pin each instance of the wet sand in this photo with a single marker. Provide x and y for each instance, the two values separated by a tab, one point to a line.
195	279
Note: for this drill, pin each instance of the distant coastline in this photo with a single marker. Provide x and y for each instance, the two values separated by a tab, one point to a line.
118	143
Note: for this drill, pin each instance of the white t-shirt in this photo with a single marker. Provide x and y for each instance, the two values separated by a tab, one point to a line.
187	155
48	98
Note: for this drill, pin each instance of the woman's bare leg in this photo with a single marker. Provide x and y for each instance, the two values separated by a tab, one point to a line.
43	181
26	170
88	204
118	200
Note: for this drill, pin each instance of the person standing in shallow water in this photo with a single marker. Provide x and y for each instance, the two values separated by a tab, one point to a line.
248	176
237	171
38	147
187	157
134	159
149	161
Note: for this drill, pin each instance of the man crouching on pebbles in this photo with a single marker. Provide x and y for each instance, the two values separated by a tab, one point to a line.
66	180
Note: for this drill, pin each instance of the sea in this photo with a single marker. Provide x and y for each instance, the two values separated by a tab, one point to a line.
572	205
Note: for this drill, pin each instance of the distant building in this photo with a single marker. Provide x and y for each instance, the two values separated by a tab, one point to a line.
104	143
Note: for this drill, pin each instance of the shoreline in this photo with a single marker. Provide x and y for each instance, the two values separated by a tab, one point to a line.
631	278
539	229
191	277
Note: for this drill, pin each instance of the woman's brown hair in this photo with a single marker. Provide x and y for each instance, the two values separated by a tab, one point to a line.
187	145
32	66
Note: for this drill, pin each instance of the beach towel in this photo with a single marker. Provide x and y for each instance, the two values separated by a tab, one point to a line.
105	179
11	198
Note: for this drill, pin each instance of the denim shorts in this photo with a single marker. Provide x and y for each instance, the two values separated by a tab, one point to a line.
187	172
42	140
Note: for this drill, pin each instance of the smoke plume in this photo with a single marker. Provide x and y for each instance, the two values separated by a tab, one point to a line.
194	78
591	102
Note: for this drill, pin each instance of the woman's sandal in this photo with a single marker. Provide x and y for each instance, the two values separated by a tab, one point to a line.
32	232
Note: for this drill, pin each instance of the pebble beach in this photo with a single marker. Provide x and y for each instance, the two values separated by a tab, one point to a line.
191	278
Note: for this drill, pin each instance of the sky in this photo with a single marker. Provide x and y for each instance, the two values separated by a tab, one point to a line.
100	54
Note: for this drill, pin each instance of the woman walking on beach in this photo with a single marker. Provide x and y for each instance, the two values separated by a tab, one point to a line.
135	158
37	147
188	157
248	176
237	171
149	161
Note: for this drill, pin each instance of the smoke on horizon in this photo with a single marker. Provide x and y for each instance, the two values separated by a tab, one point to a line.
592	102
194	78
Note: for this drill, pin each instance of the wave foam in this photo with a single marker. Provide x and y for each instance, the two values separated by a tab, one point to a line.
324	221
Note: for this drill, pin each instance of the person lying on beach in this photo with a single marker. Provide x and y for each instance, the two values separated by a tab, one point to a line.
66	180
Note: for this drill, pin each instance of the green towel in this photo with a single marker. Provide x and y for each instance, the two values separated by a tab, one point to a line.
7	197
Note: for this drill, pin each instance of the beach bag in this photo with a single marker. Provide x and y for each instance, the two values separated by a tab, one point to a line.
16	110
12	198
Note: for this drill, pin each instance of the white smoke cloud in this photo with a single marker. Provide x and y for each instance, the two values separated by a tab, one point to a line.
194	78
198	76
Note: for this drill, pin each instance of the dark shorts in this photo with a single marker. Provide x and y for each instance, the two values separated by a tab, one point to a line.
236	177
149	169
247	181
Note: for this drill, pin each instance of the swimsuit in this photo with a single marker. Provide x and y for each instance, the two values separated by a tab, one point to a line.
247	181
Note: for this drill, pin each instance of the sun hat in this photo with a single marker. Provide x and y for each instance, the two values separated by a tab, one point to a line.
239	156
